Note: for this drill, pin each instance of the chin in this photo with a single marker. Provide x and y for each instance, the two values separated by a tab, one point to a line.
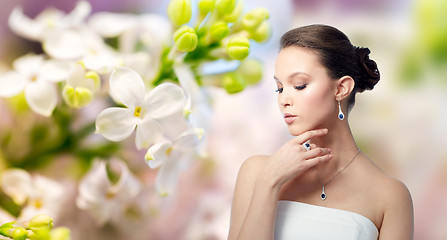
295	131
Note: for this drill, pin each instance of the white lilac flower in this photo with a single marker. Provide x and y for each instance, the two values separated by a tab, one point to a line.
80	87
172	157
152	31
142	111
198	109
37	194
105	200
36	77
47	21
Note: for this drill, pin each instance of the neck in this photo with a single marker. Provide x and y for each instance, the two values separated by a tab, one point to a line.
342	144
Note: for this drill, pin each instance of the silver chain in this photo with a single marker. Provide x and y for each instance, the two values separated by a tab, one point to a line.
330	180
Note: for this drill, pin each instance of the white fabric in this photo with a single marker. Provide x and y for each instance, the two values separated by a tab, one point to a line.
296	220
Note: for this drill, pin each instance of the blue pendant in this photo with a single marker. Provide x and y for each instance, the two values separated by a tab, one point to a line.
323	195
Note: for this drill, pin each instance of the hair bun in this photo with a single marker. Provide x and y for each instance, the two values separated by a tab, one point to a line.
370	74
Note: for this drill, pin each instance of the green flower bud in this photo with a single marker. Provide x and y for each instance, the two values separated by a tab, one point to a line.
41	222
186	39
225	7
254	18
60	233
235	14
233	82
19	233
5	228
219	30
77	97
238	47
251	70
206	6
262	33
40	235
179	11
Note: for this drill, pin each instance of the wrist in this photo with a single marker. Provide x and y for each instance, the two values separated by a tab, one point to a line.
269	185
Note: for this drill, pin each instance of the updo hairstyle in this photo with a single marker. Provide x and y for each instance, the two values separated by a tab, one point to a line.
337	54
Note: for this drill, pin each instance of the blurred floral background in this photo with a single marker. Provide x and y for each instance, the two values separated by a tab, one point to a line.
116	186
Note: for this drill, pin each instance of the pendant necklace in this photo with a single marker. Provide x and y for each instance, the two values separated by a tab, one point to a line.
323	194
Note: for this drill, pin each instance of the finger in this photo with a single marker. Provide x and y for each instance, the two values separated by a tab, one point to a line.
310	134
317	160
315	152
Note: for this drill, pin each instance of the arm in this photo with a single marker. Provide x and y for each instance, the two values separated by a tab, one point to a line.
398	216
264	200
259	183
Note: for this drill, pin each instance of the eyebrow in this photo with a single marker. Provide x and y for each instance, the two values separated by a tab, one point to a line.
293	75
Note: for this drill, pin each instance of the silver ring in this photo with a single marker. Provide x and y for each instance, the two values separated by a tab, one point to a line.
306	145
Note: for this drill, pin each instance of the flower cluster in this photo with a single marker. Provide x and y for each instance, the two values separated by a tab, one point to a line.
38	228
148	75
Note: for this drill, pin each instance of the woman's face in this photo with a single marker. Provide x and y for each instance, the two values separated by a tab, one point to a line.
306	94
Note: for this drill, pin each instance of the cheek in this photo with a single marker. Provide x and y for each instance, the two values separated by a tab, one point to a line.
320	102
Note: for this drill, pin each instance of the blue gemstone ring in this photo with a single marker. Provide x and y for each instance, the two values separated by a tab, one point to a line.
306	145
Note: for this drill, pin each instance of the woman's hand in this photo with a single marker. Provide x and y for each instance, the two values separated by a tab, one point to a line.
292	159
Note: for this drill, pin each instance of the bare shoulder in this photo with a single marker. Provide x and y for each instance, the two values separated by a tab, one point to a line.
250	169
397	206
391	190
388	188
254	164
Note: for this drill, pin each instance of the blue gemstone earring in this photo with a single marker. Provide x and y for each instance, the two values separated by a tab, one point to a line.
341	116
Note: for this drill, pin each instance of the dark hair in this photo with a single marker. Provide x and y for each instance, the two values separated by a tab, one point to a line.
337	54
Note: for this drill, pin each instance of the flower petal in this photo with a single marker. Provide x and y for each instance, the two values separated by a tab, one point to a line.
128	185
78	14
115	124
93	189
189	139
94	185
111	24
167	177
64	44
140	62
155	32
76	76
28	65
41	96
11	84
24	26
148	131
55	70
128	87
17	184
156	154
102	61
164	100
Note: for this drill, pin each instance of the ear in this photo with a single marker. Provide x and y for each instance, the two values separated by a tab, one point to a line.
344	87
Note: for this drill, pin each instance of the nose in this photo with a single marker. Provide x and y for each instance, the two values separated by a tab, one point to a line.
284	99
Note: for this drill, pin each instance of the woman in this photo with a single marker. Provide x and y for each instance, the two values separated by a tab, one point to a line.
319	185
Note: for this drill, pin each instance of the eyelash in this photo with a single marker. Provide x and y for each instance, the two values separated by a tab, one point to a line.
301	87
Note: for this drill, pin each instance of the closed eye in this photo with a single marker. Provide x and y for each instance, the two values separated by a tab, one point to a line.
279	90
301	87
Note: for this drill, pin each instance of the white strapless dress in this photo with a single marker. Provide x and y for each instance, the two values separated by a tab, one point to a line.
296	220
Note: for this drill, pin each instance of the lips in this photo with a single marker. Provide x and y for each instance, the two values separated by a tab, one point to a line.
289	118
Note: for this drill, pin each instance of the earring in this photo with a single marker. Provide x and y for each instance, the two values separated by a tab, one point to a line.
341	115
